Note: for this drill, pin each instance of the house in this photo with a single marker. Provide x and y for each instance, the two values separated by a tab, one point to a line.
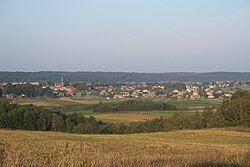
125	94
10	96
103	93
228	95
62	88
69	88
176	91
180	96
195	96
118	96
145	91
211	97
135	94
161	87
150	95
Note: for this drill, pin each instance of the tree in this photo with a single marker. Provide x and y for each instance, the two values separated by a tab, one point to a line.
66	83
58	123
9	89
28	120
236	111
180	120
15	119
69	125
105	129
206	118
44	121
27	89
197	121
85	128
49	83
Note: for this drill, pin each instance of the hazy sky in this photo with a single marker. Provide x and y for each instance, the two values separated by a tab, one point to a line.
125	35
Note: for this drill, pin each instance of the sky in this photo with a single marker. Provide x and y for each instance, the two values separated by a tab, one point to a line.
125	36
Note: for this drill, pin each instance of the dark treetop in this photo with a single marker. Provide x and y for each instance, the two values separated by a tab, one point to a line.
111	77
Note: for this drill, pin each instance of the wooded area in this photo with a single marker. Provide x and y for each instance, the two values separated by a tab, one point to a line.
111	77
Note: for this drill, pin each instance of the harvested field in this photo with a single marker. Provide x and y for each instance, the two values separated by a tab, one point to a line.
124	117
212	147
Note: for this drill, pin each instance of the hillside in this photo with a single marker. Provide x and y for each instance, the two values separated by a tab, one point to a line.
181	148
111	77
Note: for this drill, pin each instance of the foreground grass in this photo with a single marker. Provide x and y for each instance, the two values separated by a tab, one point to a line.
183	148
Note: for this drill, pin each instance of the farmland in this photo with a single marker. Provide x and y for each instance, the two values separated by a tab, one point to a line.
80	105
178	148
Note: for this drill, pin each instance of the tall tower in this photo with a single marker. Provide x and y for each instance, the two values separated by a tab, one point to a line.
62	82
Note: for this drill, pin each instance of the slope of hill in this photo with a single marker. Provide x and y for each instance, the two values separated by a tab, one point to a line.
181	148
110	77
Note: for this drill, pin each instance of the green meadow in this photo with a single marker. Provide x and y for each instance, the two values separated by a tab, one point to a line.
83	105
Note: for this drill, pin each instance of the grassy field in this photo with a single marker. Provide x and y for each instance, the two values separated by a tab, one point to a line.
244	88
214	147
79	105
65	101
194	104
125	117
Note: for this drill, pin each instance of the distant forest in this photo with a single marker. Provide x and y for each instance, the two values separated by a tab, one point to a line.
111	77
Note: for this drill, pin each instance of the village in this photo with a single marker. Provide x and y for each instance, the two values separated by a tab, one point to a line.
192	90
173	89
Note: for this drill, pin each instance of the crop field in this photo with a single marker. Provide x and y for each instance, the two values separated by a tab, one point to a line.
48	102
42	103
213	147
64	101
81	101
127	116
124	117
67	101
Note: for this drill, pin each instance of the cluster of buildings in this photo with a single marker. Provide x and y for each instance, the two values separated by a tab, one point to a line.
63	90
210	90
192	90
127	91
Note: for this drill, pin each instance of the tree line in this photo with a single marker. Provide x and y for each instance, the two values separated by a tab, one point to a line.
112	77
30	117
132	105
26	89
233	112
